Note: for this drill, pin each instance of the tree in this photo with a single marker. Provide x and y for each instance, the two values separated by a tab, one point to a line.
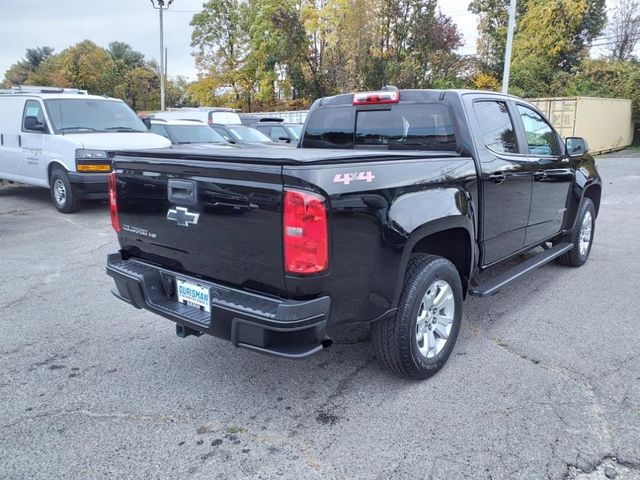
278	45
177	93
624	29
552	38
89	67
220	43
20	72
140	89
127	56
492	27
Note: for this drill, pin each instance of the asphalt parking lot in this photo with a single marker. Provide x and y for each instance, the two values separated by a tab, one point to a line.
544	381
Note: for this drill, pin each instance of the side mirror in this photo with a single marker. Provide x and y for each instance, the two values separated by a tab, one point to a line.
147	122
32	124
285	139
576	146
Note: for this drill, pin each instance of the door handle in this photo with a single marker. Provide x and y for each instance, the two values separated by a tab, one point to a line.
182	192
540	175
546	161
497	177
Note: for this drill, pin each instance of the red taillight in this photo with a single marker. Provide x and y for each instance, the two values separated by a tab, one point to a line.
376	98
306	249
113	203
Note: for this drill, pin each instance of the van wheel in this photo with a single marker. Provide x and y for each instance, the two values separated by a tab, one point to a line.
419	339
581	236
62	195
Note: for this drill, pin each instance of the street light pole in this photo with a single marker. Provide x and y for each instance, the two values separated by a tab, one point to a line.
161	7
507	53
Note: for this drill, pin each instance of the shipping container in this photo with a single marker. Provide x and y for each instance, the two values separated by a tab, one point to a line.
606	123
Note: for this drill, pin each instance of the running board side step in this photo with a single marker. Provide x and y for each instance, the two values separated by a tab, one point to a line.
493	285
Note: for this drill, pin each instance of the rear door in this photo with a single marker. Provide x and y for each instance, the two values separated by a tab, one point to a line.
221	221
507	178
552	177
10	136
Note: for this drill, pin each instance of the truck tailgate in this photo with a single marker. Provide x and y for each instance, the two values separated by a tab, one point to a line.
215	219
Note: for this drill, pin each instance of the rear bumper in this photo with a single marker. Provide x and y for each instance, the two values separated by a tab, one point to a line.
89	186
286	328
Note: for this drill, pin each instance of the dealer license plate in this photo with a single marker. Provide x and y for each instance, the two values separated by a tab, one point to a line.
193	295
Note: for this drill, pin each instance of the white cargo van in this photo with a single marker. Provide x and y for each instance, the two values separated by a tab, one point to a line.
209	115
61	139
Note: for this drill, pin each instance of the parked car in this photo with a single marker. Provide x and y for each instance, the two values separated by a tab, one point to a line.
60	139
189	132
206	115
387	214
279	131
243	136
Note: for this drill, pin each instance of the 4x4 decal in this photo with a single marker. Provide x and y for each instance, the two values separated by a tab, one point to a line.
347	178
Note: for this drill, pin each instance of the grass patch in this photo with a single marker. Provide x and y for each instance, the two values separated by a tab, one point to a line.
234	429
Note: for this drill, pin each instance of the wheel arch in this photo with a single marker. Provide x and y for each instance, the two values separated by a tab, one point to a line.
53	164
594	193
448	237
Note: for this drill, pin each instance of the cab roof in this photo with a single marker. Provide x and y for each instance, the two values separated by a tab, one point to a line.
410	95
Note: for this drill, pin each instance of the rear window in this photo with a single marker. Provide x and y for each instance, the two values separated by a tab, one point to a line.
249	134
185	134
426	126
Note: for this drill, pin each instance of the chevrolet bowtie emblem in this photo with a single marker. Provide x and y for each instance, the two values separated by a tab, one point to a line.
183	216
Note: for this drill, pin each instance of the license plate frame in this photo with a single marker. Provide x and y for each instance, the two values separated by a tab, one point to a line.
194	295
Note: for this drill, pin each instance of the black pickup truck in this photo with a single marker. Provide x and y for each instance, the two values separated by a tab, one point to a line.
386	214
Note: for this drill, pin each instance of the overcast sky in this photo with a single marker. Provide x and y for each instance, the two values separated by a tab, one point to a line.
59	24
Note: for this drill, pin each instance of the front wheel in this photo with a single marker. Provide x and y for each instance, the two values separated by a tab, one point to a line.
419	339
62	195
581	236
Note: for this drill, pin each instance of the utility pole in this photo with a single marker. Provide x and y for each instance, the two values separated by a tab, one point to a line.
507	53
161	7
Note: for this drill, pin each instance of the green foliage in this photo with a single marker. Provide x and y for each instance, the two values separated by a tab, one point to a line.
551	40
270	53
492	27
605	78
117	71
141	89
89	67
550	36
282	54
19	72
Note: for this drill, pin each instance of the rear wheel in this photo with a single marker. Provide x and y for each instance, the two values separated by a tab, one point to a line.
419	339
581	236
62	194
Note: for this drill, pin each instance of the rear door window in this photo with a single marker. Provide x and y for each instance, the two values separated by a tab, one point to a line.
496	127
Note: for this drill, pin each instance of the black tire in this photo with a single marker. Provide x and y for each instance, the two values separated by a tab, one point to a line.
574	257
394	339
68	203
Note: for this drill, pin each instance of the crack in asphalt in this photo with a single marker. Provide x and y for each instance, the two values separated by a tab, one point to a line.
603	461
326	411
598	410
